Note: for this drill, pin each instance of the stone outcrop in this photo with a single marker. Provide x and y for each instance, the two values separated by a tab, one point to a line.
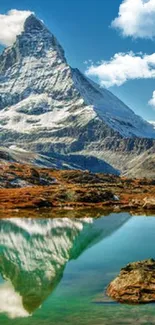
135	284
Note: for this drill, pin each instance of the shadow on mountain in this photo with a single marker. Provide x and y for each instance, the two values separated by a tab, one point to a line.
34	253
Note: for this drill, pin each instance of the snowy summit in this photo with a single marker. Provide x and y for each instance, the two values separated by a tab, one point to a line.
47	106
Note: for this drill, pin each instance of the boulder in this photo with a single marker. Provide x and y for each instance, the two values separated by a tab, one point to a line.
149	203
135	284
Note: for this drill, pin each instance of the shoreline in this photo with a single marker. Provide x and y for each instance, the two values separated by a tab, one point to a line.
75	210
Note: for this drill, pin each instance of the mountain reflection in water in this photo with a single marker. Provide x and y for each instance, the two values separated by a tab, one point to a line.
34	253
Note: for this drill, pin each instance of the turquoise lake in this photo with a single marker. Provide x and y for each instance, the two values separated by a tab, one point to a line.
55	271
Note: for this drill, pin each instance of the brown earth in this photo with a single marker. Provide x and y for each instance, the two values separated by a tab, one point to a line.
24	187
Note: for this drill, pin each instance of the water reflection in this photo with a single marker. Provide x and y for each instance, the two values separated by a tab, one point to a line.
34	253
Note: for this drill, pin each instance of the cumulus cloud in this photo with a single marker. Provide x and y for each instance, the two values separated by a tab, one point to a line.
11	25
136	18
152	101
123	67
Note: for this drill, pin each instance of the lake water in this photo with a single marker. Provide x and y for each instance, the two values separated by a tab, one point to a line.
55	271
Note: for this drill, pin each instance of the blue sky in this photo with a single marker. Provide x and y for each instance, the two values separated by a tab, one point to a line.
83	29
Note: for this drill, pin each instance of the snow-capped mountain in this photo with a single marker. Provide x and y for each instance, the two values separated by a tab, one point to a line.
48	107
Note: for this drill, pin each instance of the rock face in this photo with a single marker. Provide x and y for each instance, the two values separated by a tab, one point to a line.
49	108
135	283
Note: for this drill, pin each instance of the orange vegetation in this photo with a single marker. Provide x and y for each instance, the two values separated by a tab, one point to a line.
48	188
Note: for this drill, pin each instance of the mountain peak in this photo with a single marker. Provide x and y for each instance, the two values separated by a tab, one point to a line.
36	39
32	23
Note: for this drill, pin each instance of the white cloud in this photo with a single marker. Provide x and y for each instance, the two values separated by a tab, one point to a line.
153	123
11	25
152	100
136	18
123	67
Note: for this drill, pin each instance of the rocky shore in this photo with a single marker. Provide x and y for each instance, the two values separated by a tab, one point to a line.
25	187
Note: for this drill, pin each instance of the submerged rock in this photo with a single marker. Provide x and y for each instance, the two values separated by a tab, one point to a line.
135	284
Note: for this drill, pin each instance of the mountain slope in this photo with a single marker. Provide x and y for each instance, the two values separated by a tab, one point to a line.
50	108
56	161
143	165
110	109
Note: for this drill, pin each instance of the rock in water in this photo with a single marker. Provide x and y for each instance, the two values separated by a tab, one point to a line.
135	284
